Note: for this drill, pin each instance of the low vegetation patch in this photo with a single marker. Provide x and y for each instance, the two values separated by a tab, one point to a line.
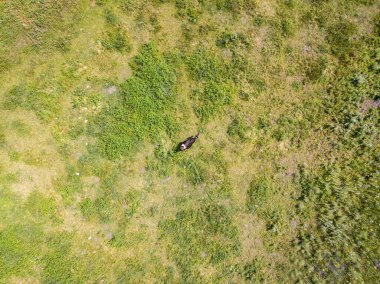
205	236
282	185
144	109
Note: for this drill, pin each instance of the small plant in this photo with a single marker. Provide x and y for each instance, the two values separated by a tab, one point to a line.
252	272
237	128
287	28
257	194
232	40
259	21
117	40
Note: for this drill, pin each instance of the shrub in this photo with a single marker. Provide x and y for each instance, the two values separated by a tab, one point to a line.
252	271
259	21
315	69
20	127
87	208
19	247
70	185
189	9
195	172
58	266
343	193
111	18
236	6
215	79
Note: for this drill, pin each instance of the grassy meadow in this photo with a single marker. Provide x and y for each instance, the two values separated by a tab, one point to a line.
281	187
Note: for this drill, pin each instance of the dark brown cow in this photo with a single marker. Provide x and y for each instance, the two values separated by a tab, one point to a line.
188	142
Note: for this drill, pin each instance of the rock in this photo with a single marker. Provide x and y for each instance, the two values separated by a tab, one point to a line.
203	254
293	224
109	236
110	90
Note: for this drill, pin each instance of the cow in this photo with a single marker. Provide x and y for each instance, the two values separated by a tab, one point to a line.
188	142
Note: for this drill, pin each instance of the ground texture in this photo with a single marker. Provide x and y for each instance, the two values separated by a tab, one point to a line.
281	187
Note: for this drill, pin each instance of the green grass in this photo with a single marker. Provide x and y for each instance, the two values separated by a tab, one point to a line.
281	186
43	103
202	236
143	110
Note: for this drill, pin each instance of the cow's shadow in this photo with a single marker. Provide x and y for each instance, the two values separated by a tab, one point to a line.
177	148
